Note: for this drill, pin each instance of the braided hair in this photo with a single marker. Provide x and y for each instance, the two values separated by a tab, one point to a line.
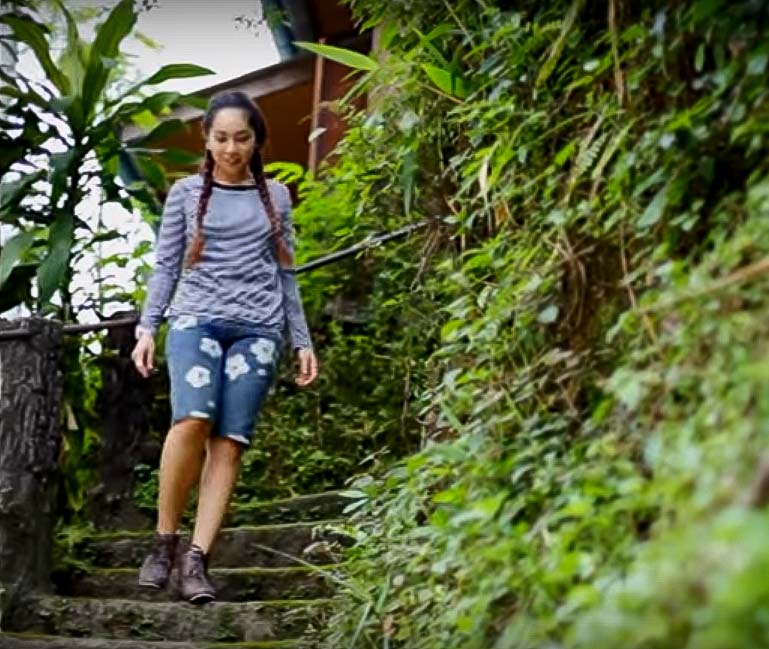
237	99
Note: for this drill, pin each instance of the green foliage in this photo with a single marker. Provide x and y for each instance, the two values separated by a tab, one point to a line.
583	350
61	146
346	57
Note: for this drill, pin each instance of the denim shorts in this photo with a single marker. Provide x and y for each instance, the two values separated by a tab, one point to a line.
221	371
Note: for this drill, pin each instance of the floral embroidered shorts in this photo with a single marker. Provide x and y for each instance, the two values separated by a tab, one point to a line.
221	371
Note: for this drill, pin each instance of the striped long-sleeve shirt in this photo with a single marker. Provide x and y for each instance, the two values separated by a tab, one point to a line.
238	276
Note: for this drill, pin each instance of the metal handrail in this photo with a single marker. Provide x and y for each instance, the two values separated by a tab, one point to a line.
71	328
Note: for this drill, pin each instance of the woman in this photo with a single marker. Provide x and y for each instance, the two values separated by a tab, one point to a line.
225	254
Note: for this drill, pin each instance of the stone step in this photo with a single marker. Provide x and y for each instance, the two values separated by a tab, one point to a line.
232	584
166	621
311	507
306	508
37	641
266	546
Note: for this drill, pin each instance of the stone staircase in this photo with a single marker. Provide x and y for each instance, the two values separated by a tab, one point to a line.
266	598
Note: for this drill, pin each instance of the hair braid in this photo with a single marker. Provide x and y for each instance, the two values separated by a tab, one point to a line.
196	247
257	169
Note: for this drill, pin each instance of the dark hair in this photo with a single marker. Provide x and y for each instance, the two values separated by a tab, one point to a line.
237	99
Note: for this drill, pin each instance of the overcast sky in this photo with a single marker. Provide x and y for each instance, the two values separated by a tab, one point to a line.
205	33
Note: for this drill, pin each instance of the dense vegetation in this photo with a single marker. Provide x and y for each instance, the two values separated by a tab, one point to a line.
578	346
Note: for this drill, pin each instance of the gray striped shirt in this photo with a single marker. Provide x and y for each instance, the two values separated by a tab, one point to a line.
238	276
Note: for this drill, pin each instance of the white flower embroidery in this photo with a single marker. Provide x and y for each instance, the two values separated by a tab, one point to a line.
236	365
211	347
185	322
261	371
198	376
199	414
263	349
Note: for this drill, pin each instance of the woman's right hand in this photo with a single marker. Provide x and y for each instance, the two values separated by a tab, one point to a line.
143	354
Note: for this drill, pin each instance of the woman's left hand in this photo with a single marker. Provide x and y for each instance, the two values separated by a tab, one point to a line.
308	366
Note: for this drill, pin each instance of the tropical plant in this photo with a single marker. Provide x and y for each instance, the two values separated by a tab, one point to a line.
62	145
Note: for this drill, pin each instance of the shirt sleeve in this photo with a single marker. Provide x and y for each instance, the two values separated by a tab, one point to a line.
292	302
169	252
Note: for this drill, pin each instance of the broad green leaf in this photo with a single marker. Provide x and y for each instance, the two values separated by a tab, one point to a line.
161	131
52	271
34	34
61	169
152	172
654	210
388	34
176	71
566	152
72	60
453	495
145	119
437	56
446	81
12	252
449	331
106	45
287	172
160	101
488	507
350	58
196	101
180	157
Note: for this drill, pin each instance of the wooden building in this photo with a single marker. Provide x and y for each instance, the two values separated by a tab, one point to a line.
293	94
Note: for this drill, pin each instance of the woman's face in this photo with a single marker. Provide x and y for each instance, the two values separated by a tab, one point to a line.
231	141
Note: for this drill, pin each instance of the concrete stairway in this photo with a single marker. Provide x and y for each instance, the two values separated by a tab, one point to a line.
266	599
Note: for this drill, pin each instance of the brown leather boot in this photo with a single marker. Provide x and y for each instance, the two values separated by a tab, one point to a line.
193	574
157	566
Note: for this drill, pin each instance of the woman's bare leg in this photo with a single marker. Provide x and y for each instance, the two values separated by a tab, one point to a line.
220	473
180	465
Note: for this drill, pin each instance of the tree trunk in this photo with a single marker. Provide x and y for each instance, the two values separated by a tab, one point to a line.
30	437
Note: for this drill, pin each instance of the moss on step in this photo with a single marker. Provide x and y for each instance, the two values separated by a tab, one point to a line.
287	544
232	584
166	621
300	508
41	641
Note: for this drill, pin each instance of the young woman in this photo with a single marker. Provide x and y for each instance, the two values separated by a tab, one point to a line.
224	259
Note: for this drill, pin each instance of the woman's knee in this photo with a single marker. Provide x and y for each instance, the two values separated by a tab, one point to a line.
192	426
224	449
